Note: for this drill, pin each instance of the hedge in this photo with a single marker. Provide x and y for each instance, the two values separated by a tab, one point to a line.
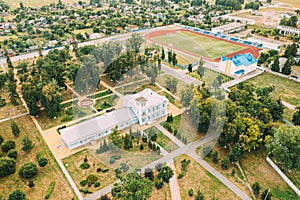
50	189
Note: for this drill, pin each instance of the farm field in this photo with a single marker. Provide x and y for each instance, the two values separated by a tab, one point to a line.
286	90
51	172
196	44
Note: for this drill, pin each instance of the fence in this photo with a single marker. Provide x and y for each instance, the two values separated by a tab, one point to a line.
283	176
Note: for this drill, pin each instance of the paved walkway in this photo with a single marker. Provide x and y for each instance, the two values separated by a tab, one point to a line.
288	105
174	187
13	117
169	135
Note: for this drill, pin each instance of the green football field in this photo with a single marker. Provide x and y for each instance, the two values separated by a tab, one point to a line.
196	44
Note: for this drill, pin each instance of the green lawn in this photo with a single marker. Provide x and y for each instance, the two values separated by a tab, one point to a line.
210	76
198	45
161	80
286	90
163	140
256	169
51	172
185	127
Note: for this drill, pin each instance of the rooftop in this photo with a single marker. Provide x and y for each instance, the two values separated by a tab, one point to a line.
241	59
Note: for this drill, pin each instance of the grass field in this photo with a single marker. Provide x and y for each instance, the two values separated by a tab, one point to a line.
51	172
292	2
163	140
210	76
285	89
38	3
197	44
73	162
198	178
258	170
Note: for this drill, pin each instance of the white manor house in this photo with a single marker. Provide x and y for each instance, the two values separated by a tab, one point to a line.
143	108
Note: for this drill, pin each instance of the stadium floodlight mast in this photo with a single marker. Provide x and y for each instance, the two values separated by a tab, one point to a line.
94	67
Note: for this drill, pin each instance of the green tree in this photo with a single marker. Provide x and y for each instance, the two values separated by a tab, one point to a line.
51	99
190	68
256	188
266	195
12	154
199	195
7	166
296	116
26	144
165	174
115	137
14	128
8	145
225	163
163	56
285	146
275	66
236	153
200	68
287	68
42	161
187	95
28	170
127	142
171	84
152	71
132	187
17	195
134	43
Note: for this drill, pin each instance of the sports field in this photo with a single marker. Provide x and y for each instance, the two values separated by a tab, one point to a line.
195	44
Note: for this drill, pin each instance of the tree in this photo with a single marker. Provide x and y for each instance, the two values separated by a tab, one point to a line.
8	145
165	174
152	71
127	142
132	186
225	163
134	43
256	188
200	68
199	195
163	56
51	99
12	154
251	138
296	117
7	166
285	146
236	153
28	170
149	174
14	128
266	195
17	195
187	95
42	161
27	144
171	84
190	68
275	66
287	68
115	137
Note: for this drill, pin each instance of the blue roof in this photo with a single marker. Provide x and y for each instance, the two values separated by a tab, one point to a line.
241	59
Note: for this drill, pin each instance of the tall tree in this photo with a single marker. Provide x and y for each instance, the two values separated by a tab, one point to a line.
285	146
287	68
17	195
134	43
296	116
132	187
187	94
163	56
200	68
51	99
26	144
14	128
275	66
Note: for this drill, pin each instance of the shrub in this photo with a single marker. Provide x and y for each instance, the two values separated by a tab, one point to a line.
97	184
17	195
256	188
8	145
141	147
85	159
233	172
191	192
180	175
85	165
66	118
7	166
104	197
28	170
215	158
50	189
116	157
92	178
2	102
105	170
83	183
111	160
1	139
99	169
85	191
43	162
159	184
12	154
225	163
